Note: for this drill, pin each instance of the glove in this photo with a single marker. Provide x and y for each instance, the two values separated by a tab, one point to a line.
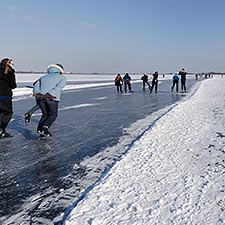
38	95
47	95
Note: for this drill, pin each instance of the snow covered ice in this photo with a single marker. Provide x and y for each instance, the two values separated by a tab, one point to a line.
96	127
173	174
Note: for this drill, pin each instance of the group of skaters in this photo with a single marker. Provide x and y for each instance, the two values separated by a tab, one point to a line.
125	82
46	90
182	76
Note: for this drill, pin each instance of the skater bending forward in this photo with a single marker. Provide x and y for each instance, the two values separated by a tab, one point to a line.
47	91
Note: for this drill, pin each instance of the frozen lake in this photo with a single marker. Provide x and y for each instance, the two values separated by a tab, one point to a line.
40	179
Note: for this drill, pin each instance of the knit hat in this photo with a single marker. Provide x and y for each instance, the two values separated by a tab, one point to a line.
55	68
4	61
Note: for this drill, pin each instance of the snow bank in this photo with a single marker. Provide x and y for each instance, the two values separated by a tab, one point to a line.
174	174
99	81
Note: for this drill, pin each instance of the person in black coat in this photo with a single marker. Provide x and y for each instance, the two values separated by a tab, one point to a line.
7	83
145	81
183	74
154	82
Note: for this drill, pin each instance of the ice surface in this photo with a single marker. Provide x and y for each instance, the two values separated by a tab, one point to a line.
95	127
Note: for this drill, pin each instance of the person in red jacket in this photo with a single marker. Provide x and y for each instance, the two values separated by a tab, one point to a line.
119	83
7	83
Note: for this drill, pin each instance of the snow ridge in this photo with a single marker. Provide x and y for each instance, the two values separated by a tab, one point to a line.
109	166
173	174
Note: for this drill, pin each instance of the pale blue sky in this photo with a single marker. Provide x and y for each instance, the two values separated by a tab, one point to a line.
114	35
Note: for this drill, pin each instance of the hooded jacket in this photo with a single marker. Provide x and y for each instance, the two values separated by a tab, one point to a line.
175	77
7	82
53	82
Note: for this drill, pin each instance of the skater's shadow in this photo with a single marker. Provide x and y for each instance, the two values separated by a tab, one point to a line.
18	124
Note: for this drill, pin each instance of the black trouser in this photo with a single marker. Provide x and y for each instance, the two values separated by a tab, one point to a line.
119	88
33	109
49	109
127	83
175	82
154	84
183	84
149	86
6	112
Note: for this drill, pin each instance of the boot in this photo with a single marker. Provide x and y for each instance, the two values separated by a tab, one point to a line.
4	134
27	118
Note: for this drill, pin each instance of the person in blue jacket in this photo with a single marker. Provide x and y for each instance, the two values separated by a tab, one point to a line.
47	91
126	82
175	82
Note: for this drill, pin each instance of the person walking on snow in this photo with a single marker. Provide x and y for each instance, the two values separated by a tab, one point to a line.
144	78
175	82
47	91
154	82
183	74
126	82
119	83
7	83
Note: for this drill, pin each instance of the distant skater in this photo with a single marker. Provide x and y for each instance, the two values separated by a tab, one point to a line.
196	76
126	82
154	82
7	83
175	82
145	81
47	91
183	74
119	83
